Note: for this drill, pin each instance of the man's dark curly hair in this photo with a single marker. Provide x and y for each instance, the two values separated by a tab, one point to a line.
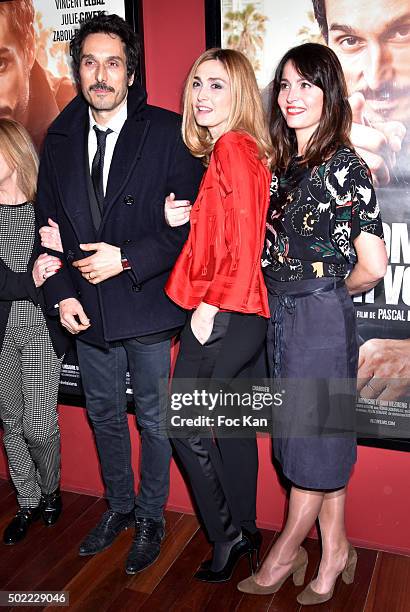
319	10
107	24
20	20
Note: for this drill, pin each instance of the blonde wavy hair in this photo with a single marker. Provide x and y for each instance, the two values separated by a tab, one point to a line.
19	154
246	114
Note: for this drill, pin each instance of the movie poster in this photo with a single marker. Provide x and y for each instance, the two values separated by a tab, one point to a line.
372	41
35	76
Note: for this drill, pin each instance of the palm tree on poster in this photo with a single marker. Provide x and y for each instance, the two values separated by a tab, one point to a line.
245	30
310	32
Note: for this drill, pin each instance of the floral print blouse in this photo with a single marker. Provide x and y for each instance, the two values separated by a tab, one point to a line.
314	216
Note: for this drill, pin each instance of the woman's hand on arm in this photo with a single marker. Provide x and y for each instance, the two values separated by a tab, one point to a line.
177	212
202	321
50	236
371	263
44	267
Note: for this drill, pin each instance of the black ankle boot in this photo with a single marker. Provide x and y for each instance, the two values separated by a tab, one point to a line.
17	529
51	506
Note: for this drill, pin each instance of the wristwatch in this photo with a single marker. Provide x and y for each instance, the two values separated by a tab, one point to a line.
124	262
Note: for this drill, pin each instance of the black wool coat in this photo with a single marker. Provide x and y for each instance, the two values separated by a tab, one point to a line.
149	161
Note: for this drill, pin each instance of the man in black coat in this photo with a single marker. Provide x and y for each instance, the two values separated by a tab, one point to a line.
109	162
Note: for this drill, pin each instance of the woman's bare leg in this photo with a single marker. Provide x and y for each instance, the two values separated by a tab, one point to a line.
304	508
335	546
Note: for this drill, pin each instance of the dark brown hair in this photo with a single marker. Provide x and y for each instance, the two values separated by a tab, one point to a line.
318	65
319	10
106	24
20	20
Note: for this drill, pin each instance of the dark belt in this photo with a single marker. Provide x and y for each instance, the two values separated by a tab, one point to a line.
287	301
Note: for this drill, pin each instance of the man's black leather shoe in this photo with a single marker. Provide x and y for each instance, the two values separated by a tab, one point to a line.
16	530
105	532
146	545
51	506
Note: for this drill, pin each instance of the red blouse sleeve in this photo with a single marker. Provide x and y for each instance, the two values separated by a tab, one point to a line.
244	197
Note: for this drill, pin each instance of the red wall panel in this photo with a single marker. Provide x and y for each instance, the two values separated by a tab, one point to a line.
174	36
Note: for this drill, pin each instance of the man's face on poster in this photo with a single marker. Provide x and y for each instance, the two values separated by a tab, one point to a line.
15	67
372	40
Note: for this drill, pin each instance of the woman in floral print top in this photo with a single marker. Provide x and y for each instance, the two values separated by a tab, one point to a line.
323	244
324	210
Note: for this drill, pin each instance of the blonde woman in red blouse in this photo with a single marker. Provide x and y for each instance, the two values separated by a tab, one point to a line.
218	279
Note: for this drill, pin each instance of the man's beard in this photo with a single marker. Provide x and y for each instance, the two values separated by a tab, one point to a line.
103	104
19	112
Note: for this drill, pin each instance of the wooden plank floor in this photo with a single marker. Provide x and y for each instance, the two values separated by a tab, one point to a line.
47	560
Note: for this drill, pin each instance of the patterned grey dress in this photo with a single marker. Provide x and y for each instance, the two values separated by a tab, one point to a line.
29	373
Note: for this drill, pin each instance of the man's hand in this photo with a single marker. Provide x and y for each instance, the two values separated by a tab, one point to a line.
50	236
384	369
103	264
377	142
176	211
72	316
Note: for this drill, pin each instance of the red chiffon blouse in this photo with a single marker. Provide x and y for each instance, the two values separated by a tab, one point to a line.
220	263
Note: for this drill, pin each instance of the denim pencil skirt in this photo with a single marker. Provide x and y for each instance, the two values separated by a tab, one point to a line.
313	358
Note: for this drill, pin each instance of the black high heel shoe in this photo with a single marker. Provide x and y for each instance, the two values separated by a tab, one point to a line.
240	549
255	540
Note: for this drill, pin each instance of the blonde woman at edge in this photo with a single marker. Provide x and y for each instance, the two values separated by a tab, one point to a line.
31	344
